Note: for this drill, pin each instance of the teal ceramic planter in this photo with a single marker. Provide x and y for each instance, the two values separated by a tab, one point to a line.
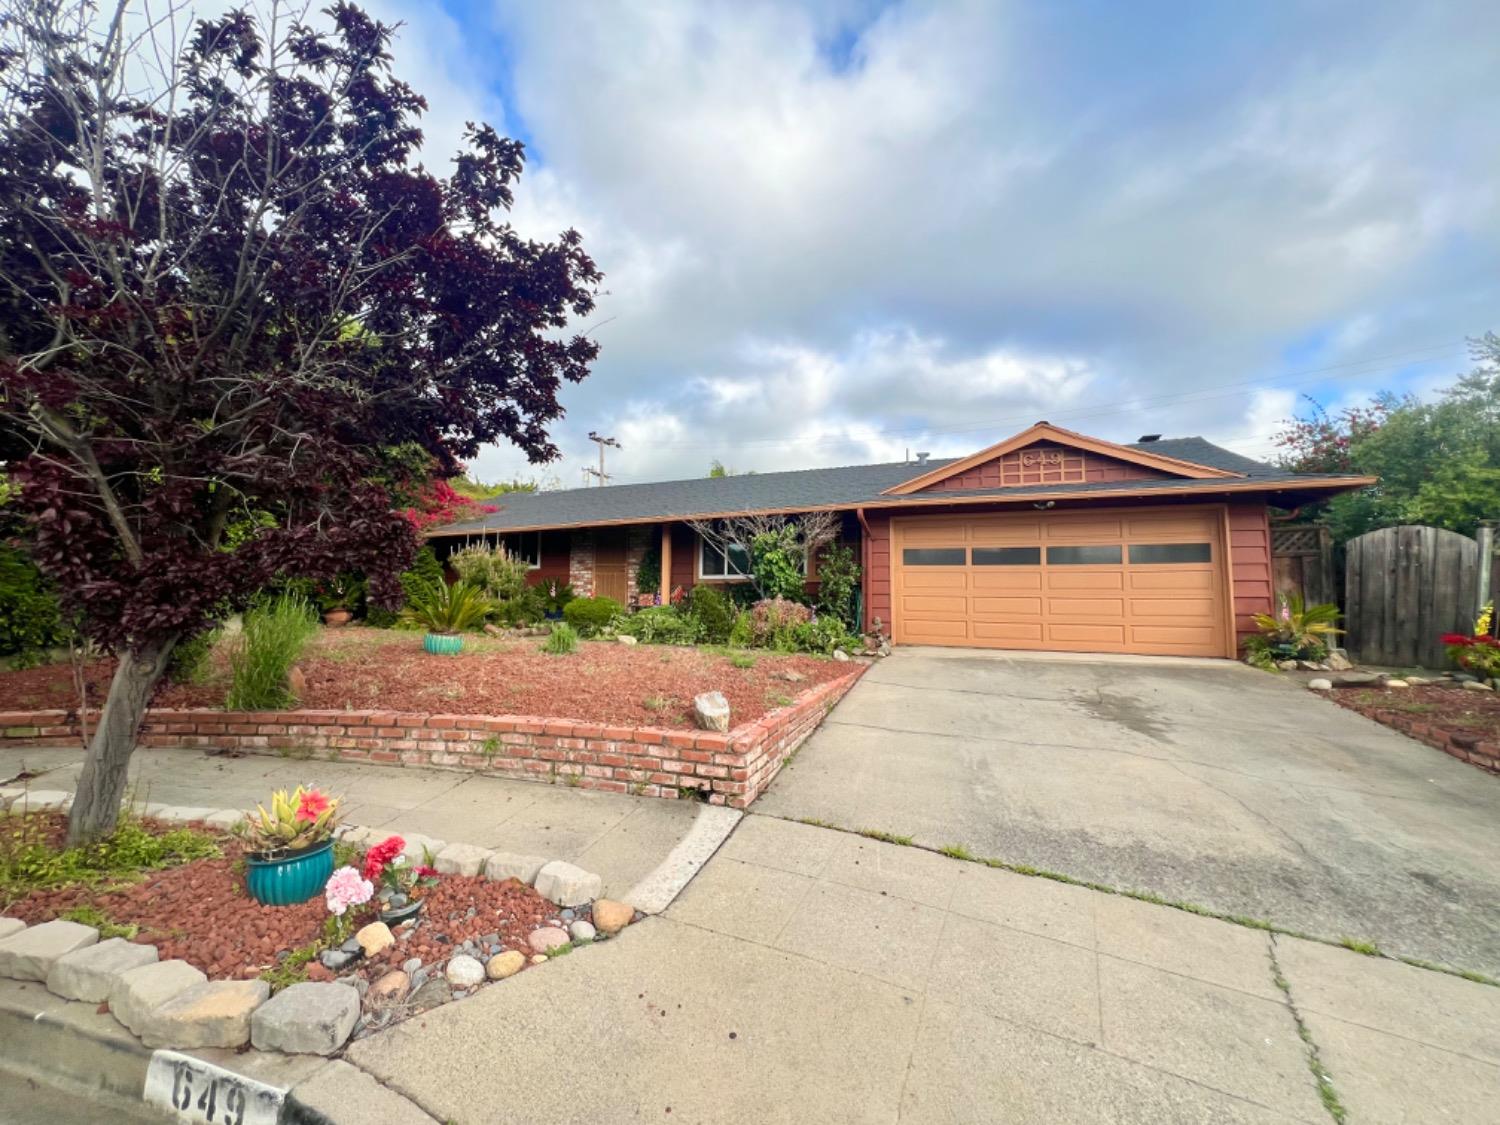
289	879
443	644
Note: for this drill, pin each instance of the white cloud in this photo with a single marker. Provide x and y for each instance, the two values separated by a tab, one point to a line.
983	218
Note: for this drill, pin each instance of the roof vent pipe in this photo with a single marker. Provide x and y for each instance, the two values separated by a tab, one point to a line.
1146	438
922	458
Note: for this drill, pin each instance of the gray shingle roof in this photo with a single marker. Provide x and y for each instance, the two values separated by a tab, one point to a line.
846	486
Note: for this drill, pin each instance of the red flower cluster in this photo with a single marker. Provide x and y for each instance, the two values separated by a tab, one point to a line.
380	855
425	872
1463	640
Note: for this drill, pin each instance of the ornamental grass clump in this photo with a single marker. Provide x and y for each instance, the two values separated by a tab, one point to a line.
562	640
295	822
272	639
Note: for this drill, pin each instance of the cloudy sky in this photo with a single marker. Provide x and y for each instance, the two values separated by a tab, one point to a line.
835	232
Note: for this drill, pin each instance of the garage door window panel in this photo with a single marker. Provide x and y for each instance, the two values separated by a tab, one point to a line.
1108	554
1146	554
1006	556
933	556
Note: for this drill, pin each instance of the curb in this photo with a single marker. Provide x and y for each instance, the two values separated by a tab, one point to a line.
70	1045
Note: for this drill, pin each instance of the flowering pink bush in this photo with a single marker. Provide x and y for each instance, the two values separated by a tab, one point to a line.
346	888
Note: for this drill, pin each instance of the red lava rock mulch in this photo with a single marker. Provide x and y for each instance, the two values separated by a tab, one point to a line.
604	682
201	913
1465	724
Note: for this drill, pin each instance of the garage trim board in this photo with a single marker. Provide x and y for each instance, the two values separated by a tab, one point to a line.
1129	580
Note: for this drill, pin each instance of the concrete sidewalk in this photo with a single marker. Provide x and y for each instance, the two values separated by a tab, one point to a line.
626	840
813	975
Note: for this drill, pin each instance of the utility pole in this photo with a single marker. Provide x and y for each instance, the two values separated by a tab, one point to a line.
601	442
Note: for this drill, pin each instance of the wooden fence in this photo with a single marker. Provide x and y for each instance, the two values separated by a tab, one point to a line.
1302	562
1404	587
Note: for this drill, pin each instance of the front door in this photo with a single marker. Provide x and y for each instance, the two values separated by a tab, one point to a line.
611	574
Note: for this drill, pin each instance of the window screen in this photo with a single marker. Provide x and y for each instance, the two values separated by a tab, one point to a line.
932	556
1170	553
1007	556
1083	556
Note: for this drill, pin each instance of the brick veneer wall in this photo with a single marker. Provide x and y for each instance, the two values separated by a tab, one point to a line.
732	769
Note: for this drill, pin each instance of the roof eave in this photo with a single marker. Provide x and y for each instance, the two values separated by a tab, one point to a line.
1126	490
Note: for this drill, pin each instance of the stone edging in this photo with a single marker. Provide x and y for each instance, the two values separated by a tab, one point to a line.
732	768
171	1004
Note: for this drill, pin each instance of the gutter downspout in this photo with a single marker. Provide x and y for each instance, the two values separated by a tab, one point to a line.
864	567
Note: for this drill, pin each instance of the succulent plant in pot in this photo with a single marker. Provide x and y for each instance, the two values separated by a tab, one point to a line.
446	612
289	846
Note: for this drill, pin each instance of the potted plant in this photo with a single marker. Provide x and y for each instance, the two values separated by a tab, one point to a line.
1296	631
446	612
336	597
400	882
290	846
555	595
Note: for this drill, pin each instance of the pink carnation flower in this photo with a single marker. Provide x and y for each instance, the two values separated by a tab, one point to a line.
346	888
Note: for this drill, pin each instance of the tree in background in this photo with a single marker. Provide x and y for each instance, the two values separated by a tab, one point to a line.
227	289
1438	462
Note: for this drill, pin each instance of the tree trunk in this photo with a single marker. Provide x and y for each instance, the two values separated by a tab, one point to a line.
96	805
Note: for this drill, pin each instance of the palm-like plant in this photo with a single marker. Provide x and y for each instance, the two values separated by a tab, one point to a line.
1296	623
446	610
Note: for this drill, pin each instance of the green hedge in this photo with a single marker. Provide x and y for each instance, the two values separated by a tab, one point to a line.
30	622
589	615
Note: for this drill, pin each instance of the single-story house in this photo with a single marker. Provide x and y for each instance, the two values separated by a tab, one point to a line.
1047	540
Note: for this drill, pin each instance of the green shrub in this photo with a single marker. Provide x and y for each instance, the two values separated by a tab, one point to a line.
779	559
425	573
448	609
190	662
269	644
500	575
742	633
29	619
838	579
773	617
28	862
562	640
659	625
589	615
714	611
527	608
648	570
822	635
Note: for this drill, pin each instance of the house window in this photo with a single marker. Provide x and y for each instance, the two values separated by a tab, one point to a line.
525	545
722	564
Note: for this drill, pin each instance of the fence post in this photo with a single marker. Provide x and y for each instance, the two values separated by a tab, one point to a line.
1486	539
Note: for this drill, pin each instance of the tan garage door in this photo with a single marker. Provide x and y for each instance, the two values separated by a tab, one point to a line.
1145	581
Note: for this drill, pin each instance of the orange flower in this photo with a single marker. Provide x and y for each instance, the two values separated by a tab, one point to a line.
312	805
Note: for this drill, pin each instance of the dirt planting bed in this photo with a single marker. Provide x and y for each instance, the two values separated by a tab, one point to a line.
603	682
200	913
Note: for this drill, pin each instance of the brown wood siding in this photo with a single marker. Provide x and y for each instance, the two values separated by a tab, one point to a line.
684	557
877	577
1045	464
555	555
1250	562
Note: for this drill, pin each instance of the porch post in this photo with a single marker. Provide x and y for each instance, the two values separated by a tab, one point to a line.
666	564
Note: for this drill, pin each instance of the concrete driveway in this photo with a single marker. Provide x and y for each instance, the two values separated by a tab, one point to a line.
1202	781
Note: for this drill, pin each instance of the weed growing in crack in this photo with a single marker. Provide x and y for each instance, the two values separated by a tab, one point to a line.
1368	948
885	837
957	851
1326	1092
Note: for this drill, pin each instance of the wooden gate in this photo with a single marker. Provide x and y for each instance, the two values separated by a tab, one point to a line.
1404	587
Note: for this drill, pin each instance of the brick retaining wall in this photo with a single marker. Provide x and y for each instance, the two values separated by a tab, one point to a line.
731	768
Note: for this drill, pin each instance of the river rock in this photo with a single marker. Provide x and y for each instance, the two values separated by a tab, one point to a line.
506	964
464	971
611	917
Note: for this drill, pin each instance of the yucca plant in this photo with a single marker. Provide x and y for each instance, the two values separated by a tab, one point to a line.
294	822
446	610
